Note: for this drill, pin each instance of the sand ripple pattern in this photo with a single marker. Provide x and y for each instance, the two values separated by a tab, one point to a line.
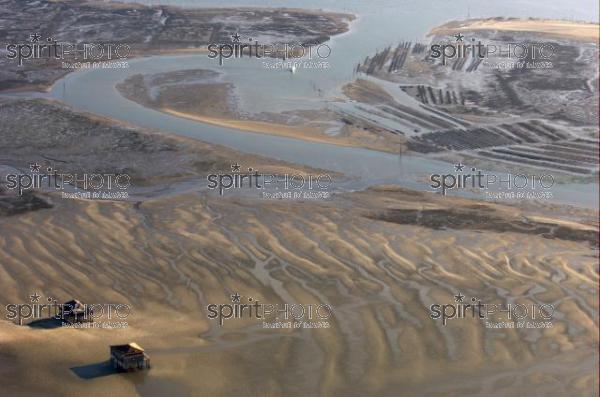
171	257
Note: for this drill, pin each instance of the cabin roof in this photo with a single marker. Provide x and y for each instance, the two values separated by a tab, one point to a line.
75	306
73	303
128	348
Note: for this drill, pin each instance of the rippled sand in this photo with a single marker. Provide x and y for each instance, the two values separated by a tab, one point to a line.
170	257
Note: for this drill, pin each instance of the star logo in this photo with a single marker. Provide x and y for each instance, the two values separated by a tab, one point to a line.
459	37
235	298
35	297
235	167
459	297
236	37
35	37
459	167
34	167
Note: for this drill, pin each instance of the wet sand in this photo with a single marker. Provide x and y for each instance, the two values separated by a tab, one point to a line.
306	133
200	95
380	257
170	257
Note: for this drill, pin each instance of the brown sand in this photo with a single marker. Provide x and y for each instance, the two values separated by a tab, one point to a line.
575	30
306	133
368	92
168	258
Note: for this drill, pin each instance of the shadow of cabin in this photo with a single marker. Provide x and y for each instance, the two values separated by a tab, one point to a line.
129	357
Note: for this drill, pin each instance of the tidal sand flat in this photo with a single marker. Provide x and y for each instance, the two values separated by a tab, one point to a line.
232	289
202	95
372	256
381	259
553	28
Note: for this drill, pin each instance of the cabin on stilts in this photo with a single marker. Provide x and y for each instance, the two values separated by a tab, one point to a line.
129	357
